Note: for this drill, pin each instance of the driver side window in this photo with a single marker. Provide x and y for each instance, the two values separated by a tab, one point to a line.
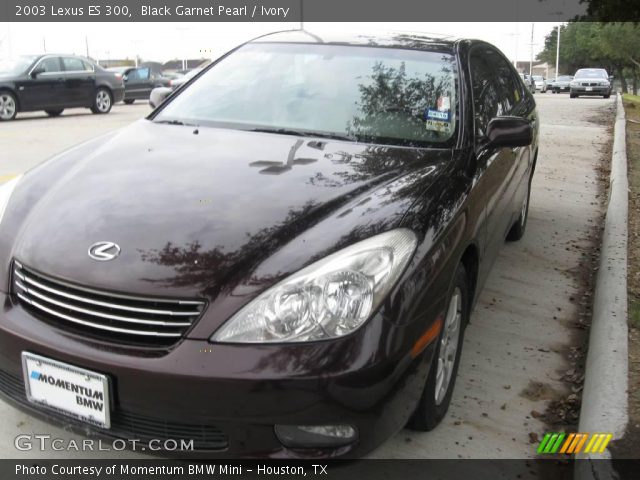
486	102
50	65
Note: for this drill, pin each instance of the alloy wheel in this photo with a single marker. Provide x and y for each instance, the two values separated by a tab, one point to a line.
103	101
7	106
449	345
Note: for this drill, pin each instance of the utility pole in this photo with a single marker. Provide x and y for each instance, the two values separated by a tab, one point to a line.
531	59
86	45
558	53
44	45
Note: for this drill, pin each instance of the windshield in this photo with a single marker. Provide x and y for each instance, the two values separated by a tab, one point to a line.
17	65
537	78
564	78
591	73
371	94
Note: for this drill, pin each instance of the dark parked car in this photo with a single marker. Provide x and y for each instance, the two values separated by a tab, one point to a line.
562	84
138	82
281	259
590	81
55	82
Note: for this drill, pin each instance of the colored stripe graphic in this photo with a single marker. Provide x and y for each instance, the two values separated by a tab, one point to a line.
543	443
598	443
574	443
556	446
581	443
567	443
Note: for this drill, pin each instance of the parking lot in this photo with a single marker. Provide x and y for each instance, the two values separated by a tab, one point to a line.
517	376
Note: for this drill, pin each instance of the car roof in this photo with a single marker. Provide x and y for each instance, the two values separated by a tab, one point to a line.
402	40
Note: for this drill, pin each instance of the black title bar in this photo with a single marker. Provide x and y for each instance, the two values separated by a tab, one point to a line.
295	10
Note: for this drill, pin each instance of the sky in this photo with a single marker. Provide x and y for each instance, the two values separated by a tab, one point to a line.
178	40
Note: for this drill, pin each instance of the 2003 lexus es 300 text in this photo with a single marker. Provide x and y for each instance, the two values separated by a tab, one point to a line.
281	259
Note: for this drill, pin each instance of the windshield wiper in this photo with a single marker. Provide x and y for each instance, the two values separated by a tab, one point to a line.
304	133
175	122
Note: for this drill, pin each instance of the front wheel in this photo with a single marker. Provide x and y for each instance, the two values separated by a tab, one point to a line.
102	101
436	397
8	106
607	96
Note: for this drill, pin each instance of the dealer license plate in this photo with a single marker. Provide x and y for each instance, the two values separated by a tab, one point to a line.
67	389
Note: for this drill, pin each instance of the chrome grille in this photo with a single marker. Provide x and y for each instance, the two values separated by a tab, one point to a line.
110	315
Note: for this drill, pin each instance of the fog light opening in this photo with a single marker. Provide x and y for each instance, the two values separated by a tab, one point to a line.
316	436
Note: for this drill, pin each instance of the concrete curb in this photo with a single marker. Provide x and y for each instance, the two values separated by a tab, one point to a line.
604	398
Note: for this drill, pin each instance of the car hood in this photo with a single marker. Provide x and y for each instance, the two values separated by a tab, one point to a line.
195	211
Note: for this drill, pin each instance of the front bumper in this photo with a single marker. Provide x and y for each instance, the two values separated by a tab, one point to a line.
230	397
590	90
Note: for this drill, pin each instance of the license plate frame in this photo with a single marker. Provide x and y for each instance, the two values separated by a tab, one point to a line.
68	381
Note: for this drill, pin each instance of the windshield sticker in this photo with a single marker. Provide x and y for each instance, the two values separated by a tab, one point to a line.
432	114
444	104
437	126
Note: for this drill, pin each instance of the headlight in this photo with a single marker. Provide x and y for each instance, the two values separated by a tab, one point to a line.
328	299
574	83
6	190
604	84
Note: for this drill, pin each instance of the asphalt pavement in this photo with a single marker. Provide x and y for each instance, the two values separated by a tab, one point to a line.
525	331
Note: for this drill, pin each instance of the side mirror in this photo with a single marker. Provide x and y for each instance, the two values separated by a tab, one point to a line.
159	95
509	132
611	77
125	78
36	72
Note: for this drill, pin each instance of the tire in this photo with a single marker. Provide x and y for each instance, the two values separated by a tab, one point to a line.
573	95
606	96
54	113
8	106
129	101
518	228
102	101
436	397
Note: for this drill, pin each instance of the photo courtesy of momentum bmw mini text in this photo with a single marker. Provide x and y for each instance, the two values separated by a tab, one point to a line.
339	239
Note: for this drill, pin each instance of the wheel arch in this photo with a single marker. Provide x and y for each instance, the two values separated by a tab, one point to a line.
470	260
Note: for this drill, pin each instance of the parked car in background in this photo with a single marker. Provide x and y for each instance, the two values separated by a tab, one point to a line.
55	82
540	83
281	259
561	84
138	82
528	81
590	81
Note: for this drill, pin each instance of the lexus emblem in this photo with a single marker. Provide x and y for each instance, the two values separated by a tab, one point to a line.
104	251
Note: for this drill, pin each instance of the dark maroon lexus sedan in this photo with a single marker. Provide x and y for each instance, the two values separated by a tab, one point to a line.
281	259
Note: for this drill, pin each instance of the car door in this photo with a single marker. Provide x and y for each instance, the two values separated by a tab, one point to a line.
492	99
79	81
44	87
138	83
